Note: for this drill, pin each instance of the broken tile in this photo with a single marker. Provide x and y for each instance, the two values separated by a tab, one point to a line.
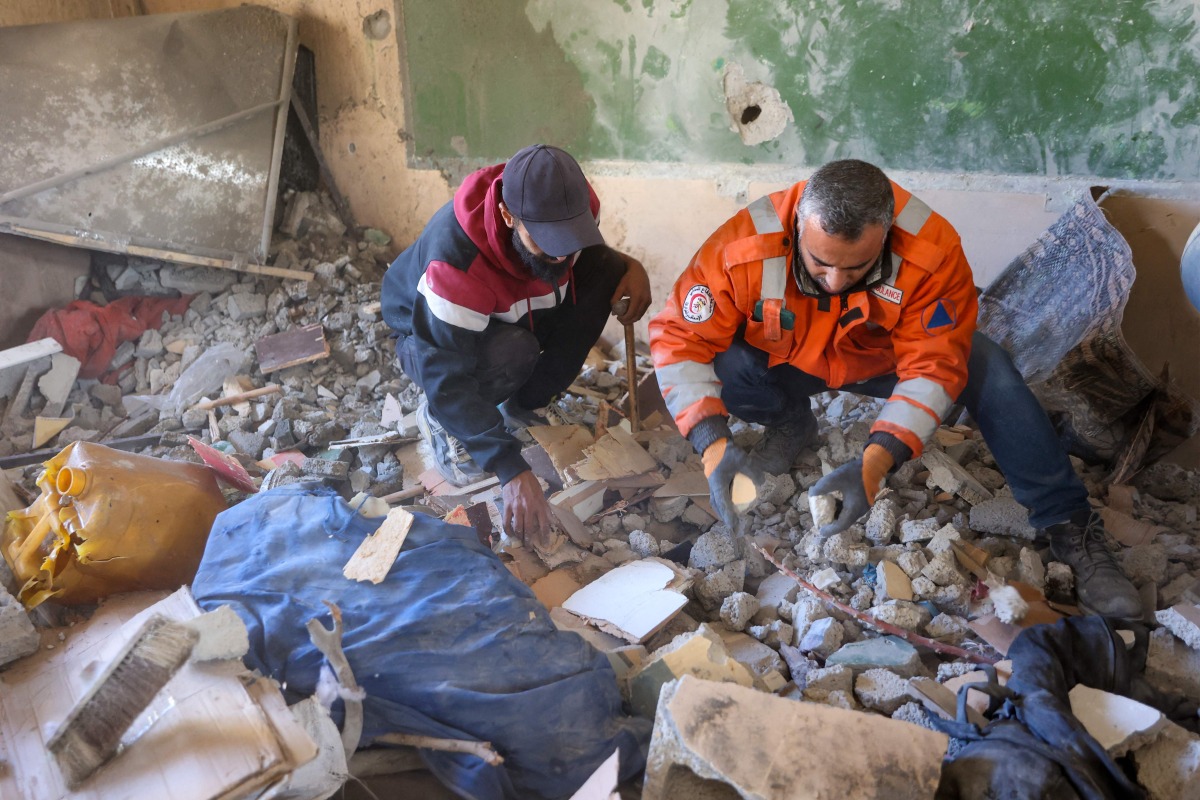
631	601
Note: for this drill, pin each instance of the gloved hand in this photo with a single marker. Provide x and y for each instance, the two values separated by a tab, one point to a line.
858	481
724	462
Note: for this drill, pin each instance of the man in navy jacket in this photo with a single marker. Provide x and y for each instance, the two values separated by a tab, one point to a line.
495	307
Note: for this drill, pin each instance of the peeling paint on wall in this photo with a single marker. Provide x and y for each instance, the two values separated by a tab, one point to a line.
1104	88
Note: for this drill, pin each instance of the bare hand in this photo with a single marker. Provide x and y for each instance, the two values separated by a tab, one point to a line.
636	286
527	514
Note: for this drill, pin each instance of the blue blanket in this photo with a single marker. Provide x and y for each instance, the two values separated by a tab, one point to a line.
450	644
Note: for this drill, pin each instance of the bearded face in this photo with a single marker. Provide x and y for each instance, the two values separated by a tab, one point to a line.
544	268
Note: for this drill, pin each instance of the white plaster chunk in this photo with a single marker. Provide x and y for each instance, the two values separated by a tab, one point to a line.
222	635
1183	620
825	579
918	530
18	638
1010	606
1118	723
56	384
823	508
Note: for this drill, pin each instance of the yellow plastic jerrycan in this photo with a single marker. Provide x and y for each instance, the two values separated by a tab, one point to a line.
110	522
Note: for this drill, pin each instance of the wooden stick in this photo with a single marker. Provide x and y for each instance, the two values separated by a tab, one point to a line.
270	388
404	494
481	750
885	627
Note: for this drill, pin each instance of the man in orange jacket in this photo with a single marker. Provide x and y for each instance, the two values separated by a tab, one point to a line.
849	282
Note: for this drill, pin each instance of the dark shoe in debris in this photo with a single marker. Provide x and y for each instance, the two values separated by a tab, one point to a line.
777	450
449	456
1100	585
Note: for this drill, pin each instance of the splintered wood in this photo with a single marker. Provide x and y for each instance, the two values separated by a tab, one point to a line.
615	455
375	556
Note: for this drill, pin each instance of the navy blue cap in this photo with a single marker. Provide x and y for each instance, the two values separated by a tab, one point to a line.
545	189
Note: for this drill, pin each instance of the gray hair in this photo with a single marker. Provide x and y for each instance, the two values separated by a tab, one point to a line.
846	196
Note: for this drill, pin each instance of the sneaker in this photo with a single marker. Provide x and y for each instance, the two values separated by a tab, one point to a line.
1100	585
450	458
776	451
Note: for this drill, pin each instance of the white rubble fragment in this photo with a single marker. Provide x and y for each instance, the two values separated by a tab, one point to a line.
1010	606
1119	724
881	690
823	508
1183	620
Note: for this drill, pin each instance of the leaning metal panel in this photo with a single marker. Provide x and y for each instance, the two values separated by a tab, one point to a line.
161	132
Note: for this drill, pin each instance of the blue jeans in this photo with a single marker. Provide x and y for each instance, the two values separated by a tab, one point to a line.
1013	423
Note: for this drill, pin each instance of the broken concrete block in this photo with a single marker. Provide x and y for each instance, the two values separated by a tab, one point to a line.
713	549
804	612
951	477
910	616
737	609
18	638
1169	767
748	749
1171	666
912	562
881	690
943	539
713	588
844	548
1060	582
1118	723
775	590
947	628
643	544
246	306
943	570
325	468
825	681
632	601
918	530
1003	516
701	654
881	523
1145	564
666	509
823	637
889	652
773	634
1031	570
1183	620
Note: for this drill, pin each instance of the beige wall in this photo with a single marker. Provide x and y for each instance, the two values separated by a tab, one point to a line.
661	213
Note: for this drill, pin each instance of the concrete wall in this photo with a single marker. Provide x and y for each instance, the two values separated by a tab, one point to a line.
660	213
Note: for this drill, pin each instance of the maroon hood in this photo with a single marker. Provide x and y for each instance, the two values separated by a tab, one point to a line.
477	209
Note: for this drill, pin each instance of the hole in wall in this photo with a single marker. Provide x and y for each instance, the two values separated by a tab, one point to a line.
377	26
750	113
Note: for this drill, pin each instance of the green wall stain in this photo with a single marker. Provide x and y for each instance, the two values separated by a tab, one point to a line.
656	63
1104	88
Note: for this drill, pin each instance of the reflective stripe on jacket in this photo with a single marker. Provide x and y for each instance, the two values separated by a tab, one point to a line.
914	315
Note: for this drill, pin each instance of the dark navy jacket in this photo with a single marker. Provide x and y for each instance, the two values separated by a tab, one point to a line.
460	274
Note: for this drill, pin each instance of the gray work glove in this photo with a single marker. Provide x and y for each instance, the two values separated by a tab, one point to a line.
847	480
723	461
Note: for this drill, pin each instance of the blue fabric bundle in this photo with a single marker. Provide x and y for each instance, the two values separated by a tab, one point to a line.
449	645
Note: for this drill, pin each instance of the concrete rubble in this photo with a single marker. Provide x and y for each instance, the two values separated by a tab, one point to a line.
945	529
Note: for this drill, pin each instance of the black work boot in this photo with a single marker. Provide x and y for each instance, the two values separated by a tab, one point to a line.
780	445
1100	586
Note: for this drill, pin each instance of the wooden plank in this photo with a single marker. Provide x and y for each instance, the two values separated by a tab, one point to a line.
287	349
326	175
374	557
23	354
564	444
185	259
131	443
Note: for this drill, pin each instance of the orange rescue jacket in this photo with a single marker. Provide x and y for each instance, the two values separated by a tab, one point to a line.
914	315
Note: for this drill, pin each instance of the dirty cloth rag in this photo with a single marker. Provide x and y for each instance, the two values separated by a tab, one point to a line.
92	333
449	645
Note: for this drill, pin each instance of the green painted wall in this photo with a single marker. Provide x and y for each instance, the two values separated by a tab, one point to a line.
1104	88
